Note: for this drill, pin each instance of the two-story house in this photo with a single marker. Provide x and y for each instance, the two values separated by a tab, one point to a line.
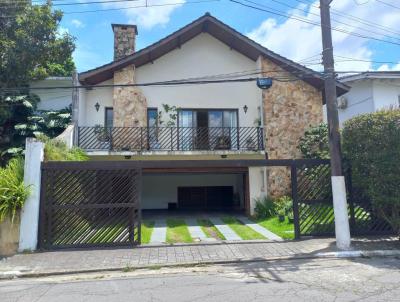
370	91
130	110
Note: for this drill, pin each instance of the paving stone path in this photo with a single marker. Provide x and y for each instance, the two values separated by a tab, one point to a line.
225	230
159	234
259	229
195	230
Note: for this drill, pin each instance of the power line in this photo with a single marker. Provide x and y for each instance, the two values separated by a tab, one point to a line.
388	4
337	21
280	13
82	3
354	18
130	7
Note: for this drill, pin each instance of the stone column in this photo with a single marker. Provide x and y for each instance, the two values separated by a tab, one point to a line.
290	108
129	106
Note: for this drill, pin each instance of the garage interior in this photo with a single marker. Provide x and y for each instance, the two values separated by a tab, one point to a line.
195	190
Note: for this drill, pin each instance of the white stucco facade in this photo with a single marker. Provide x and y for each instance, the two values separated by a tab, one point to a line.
53	99
369	94
202	56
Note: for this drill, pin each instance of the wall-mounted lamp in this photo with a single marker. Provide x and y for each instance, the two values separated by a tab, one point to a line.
245	109
97	106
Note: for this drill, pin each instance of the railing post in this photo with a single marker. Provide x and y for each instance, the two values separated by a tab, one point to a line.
111	138
238	138
258	139
172	140
296	220
141	139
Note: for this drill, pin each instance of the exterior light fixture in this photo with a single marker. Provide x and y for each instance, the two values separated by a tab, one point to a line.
97	106
245	109
264	83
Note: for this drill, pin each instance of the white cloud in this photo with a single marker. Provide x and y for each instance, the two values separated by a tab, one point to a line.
386	67
77	23
297	40
158	12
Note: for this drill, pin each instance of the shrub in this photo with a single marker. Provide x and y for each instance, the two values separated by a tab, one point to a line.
284	205
371	142
315	143
265	207
57	150
13	192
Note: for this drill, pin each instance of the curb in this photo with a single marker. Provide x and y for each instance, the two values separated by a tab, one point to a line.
7	275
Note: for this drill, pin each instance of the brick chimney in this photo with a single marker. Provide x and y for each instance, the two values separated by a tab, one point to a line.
124	40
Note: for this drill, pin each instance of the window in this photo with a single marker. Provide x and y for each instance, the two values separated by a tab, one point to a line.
108	122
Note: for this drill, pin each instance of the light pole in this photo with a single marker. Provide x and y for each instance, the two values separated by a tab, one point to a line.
342	229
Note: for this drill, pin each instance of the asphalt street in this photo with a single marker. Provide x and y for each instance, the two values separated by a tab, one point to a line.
359	279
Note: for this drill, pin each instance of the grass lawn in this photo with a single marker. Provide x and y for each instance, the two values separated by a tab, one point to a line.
242	230
209	229
146	231
177	231
283	229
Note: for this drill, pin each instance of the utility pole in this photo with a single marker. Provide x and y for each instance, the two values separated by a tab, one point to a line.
342	229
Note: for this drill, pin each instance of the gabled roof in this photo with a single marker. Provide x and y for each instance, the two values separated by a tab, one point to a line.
218	30
371	75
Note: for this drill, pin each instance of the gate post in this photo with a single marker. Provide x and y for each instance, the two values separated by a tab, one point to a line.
293	176
28	236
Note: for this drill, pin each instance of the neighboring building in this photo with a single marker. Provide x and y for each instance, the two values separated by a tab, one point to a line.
229	121
53	99
370	91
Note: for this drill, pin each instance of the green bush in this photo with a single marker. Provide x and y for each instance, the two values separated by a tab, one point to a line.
265	207
13	192
371	142
57	150
315	143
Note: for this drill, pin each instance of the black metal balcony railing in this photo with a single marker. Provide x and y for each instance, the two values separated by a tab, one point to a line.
171	138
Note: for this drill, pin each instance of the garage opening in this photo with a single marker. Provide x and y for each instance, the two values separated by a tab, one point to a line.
205	191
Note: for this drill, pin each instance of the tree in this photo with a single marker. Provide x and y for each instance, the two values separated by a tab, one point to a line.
314	143
31	48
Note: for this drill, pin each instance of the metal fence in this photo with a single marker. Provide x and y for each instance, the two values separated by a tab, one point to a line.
171	138
85	206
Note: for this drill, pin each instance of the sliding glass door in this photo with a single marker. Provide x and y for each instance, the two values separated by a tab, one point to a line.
207	129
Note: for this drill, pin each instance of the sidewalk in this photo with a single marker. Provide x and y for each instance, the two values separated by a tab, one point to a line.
77	261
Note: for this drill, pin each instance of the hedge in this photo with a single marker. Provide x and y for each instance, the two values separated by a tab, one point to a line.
371	142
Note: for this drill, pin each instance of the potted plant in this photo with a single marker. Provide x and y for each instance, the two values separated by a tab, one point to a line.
281	214
102	133
250	144
290	217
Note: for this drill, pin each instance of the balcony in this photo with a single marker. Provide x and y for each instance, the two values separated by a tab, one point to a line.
142	139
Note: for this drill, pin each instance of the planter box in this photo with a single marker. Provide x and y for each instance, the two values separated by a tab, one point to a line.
9	236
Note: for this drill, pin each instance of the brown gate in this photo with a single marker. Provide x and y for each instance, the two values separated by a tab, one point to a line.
87	204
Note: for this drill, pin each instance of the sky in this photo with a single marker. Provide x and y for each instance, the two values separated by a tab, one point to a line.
298	41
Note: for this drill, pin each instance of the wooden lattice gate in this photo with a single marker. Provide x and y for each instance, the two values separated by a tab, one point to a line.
313	202
87	204
312	198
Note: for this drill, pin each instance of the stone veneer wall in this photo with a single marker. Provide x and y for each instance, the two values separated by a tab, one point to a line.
129	106
124	40
289	109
